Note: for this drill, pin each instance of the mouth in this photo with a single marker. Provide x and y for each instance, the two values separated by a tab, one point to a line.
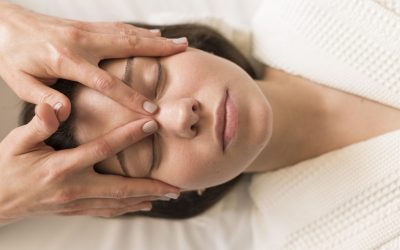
226	117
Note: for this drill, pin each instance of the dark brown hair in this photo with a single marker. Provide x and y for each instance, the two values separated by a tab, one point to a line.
189	203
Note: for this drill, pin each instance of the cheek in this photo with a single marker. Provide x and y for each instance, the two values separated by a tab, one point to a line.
192	171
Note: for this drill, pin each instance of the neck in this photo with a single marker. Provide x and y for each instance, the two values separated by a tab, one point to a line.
301	113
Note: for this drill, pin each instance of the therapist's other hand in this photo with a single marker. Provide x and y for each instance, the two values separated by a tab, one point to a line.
36	180
36	49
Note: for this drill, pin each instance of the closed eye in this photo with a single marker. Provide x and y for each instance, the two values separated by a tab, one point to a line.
156	153
155	139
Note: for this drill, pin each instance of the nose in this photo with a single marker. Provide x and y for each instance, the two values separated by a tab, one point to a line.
180	117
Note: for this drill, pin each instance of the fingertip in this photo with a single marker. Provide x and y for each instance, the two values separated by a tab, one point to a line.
180	41
150	127
59	103
178	44
62	110
150	107
170	191
47	116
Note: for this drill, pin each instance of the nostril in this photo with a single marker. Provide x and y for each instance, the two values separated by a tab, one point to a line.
194	108
192	127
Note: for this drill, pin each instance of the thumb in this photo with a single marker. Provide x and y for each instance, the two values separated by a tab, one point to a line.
41	127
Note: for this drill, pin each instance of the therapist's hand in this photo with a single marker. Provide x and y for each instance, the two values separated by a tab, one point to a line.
36	49
36	180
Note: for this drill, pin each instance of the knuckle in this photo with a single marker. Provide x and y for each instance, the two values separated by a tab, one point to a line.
51	96
53	174
72	33
45	97
103	82
103	148
59	57
63	197
119	193
133	41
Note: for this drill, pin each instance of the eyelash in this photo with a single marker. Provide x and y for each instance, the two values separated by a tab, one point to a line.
158	81
156	93
155	153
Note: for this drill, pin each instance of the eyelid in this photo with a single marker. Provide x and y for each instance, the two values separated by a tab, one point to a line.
156	153
160	80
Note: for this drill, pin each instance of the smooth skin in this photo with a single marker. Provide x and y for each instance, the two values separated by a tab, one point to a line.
185	151
35	51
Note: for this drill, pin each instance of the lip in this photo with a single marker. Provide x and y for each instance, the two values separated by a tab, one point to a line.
226	117
231	121
220	120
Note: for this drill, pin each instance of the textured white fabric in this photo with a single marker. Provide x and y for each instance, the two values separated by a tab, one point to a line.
352	45
348	198
393	5
345	199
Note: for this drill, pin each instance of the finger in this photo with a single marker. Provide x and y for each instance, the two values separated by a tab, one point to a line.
109	85
116	28
86	204
34	91
119	187
41	127
108	213
121	46
109	144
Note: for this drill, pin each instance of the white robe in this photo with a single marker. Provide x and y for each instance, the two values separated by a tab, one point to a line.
347	198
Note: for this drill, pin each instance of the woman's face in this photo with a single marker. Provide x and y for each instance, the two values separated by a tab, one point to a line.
186	151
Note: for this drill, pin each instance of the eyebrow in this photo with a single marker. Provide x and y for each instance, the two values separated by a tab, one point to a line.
126	79
127	71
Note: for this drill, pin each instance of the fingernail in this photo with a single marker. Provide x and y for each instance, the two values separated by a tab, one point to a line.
149	107
181	40
150	127
57	106
146	209
172	196
164	198
155	31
